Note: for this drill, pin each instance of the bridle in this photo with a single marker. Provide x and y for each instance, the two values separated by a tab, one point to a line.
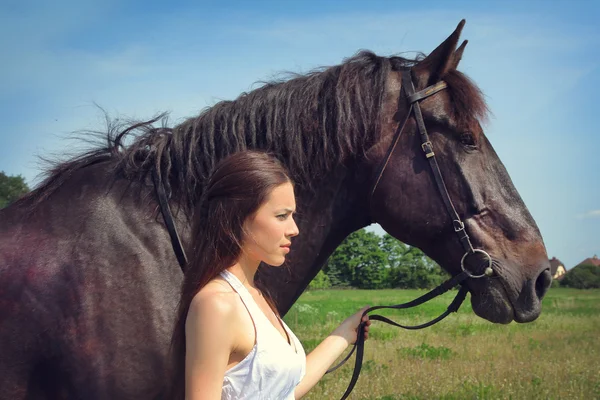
413	100
458	225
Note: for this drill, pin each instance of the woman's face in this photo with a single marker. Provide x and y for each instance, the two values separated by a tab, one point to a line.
269	232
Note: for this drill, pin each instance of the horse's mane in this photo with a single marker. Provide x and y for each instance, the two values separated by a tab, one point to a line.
311	122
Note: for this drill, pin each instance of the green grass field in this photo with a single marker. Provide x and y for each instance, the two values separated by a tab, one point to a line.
464	356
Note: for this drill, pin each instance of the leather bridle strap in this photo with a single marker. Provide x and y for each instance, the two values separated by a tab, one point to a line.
388	155
427	147
428	91
165	210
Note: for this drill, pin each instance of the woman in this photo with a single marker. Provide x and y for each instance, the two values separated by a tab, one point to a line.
229	341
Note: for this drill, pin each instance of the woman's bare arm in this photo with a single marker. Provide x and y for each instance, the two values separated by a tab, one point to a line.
209	332
321	358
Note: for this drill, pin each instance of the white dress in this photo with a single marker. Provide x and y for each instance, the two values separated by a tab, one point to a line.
273	368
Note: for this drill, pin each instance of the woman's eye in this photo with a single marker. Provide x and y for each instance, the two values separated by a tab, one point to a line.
282	217
467	139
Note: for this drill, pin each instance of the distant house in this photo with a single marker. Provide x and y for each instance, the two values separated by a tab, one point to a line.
557	268
591	261
585	275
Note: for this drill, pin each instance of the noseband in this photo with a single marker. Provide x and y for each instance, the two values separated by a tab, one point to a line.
458	225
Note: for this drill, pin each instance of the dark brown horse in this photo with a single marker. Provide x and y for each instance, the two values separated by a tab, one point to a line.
88	278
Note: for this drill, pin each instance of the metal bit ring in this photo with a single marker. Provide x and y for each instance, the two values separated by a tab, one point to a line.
488	270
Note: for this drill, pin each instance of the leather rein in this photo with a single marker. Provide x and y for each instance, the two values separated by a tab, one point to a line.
459	227
165	210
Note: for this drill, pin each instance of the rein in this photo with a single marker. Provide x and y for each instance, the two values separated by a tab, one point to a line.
165	210
459	227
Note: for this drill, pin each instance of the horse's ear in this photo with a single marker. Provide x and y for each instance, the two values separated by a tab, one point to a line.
458	55
441	60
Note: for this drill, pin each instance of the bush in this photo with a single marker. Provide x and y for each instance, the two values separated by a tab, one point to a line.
586	276
11	188
321	281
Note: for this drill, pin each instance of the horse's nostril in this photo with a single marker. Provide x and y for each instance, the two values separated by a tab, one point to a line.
542	283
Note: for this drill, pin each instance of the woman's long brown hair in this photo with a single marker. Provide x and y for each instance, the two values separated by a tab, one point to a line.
239	185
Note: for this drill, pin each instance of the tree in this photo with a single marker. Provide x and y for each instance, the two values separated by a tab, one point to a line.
409	267
370	267
368	261
11	188
586	276
399	272
394	249
358	261
338	267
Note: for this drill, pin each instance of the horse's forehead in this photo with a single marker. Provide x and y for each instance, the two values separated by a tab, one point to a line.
439	108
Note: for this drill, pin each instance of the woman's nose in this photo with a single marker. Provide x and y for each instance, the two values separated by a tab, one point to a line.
294	231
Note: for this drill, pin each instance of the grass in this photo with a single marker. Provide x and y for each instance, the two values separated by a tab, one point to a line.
464	356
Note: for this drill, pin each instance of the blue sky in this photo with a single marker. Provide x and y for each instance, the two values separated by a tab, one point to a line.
537	62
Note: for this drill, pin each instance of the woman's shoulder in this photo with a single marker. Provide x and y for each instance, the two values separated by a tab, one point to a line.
215	300
212	322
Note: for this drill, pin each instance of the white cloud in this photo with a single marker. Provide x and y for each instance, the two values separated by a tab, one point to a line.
589	214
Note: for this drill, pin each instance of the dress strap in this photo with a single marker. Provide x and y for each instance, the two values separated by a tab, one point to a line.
245	296
237	285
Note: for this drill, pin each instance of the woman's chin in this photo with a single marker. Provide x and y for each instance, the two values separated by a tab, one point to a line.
276	261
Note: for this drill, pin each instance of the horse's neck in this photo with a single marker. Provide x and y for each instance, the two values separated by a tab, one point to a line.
326	216
336	208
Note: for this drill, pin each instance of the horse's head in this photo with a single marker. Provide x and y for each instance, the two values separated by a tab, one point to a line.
408	204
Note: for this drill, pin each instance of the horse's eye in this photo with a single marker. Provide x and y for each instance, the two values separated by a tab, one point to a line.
467	139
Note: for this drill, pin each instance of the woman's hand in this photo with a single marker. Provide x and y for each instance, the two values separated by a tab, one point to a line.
348	329
324	355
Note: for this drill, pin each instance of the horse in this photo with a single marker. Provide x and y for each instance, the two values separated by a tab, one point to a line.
89	281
